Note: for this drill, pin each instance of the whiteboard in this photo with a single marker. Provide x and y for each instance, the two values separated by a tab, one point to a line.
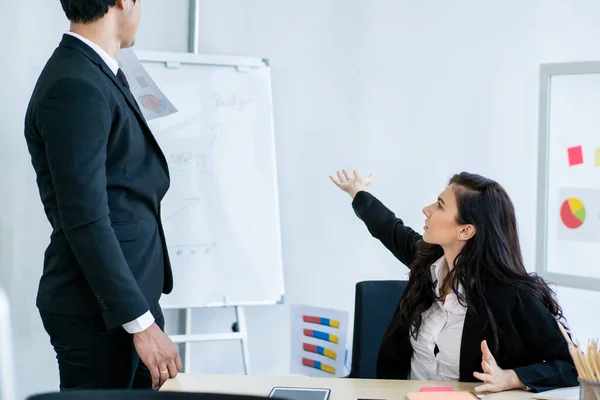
568	213
221	213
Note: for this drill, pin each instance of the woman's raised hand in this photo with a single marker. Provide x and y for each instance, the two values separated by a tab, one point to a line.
351	184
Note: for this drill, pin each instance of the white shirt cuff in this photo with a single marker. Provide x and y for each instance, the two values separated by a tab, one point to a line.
140	324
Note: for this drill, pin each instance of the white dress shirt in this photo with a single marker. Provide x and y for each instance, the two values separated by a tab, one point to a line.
107	58
145	320
441	326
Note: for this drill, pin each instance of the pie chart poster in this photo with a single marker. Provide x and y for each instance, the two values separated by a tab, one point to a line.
579	214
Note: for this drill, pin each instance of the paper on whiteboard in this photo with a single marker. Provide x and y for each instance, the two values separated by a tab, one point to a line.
152	101
318	346
579	214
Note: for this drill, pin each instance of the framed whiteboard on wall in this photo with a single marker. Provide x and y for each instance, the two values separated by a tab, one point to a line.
568	211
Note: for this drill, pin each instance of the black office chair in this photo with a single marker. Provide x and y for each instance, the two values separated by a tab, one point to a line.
138	395
374	307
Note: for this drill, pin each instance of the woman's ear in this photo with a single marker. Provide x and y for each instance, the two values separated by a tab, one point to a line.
466	232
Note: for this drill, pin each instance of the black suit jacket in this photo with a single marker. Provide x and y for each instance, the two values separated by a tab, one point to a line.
530	341
101	177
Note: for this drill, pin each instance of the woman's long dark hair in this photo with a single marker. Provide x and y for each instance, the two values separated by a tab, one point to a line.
491	256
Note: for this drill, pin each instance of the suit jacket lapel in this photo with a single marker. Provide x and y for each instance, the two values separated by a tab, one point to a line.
136	109
76	44
128	96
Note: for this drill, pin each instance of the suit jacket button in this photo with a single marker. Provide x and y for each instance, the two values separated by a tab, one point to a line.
98	295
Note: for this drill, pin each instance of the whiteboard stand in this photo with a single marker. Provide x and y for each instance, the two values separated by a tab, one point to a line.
243	329
223	127
239	332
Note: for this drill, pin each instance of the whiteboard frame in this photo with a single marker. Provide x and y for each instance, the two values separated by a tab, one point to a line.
547	71
175	59
201	59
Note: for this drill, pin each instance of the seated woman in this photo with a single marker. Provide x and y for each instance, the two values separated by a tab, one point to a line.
470	309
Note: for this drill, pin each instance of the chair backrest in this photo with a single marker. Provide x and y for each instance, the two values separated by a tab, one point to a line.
138	395
374	307
7	378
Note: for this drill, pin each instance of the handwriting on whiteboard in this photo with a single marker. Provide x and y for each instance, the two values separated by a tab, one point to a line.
188	161
194	249
232	101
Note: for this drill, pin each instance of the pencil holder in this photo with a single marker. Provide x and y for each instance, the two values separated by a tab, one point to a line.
589	390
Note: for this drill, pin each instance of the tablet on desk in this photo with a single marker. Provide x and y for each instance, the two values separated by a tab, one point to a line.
289	393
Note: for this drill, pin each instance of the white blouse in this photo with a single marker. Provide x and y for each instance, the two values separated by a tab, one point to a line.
441	326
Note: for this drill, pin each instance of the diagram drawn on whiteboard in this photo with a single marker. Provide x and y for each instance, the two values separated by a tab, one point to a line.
186	210
188	228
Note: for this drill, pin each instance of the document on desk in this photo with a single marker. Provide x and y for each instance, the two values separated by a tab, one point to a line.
571	393
318	346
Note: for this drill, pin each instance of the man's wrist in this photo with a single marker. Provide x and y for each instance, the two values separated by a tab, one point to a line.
140	324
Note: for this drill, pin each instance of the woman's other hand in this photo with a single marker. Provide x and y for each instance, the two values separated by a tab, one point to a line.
495	378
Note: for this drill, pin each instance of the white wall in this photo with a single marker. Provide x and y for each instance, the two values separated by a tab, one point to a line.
29	31
413	91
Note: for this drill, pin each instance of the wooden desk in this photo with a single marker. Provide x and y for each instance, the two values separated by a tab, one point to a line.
341	389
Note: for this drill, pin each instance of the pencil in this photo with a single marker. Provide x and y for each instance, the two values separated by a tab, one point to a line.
592	358
587	365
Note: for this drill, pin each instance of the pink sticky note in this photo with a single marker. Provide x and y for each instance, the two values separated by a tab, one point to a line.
437	389
575	155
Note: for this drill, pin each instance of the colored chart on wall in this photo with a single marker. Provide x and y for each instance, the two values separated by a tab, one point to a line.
318	345
579	214
572	213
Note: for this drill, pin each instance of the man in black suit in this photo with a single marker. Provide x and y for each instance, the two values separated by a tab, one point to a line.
101	177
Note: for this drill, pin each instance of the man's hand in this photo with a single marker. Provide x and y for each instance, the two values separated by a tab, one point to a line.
158	353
